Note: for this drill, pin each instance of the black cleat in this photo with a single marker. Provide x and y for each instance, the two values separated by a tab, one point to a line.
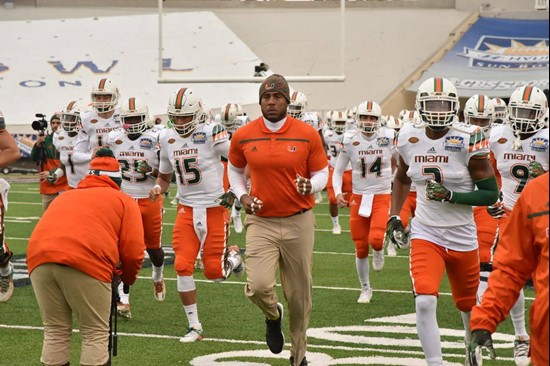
274	336
303	363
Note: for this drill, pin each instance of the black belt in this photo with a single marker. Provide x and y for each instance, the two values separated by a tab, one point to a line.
486	267
304	210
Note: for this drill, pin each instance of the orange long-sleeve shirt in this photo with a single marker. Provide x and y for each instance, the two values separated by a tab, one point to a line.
521	252
92	228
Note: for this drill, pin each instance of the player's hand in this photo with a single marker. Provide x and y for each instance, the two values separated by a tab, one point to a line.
341	200
142	167
497	210
303	185
480	338
155	192
396	233
435	191
535	169
227	199
52	178
252	205
42	176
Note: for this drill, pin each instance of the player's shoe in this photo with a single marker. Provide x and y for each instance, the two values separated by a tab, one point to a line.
6	285
391	250
337	229
274	336
318	197
199	264
159	290
234	256
174	201
378	260
124	310
237	222
193	334
365	296
521	352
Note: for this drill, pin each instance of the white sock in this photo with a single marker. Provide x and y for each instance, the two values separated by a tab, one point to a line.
517	314
238	205
362	266
124	298
466	322
6	270
335	221
482	285
192	315
157	272
428	330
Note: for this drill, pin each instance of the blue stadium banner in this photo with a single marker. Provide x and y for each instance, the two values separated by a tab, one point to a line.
494	57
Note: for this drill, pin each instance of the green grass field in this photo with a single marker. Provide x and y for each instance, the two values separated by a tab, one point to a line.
341	331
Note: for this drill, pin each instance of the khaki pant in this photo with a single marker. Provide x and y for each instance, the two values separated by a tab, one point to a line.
60	292
47	199
287	243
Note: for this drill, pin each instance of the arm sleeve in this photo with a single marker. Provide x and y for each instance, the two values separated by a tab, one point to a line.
317	159
339	168
222	148
131	244
486	194
81	153
515	260
237	180
319	180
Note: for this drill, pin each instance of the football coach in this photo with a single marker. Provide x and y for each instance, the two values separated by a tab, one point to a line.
72	254
287	165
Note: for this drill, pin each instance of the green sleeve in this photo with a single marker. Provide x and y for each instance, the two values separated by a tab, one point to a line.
485	195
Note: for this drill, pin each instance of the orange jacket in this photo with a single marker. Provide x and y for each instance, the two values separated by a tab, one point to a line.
92	228
521	252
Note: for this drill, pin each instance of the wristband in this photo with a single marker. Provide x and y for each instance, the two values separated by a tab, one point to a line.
158	186
59	173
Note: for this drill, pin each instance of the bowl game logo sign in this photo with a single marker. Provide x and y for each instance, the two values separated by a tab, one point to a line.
508	53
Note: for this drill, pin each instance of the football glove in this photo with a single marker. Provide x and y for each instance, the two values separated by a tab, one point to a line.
480	338
142	167
435	191
54	175
396	233
227	199
535	169
497	210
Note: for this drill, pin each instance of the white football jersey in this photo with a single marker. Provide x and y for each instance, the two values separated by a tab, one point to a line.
513	165
128	153
95	130
75	169
312	120
334	144
445	160
196	162
370	160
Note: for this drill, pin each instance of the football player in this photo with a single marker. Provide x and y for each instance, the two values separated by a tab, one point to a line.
298	105
97	124
369	149
9	154
501	111
193	150
64	139
230	119
333	139
449	163
136	149
520	148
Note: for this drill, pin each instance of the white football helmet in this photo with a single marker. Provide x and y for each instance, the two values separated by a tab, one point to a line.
229	113
185	102
100	89
311	119
501	110
393	123
479	110
368	108
339	121
437	102
526	109
70	116
298	105
240	110
134	116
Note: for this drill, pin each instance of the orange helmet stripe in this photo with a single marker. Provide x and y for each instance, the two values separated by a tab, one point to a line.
411	114
102	84
71	105
481	103
438	85
294	95
179	98
132	103
369	106
226	112
527	93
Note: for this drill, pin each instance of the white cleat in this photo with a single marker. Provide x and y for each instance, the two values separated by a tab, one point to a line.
391	250
237	224
159	290
521	352
378	260
318	197
365	297
193	335
337	229
6	285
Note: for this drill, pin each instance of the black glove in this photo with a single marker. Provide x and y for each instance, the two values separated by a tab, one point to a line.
480	338
227	199
396	233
